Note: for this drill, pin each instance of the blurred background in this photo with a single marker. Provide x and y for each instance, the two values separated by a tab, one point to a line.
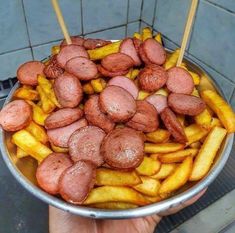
28	29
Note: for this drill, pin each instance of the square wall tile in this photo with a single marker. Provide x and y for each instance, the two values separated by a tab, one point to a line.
213	39
227	4
13	32
168	44
9	62
171	17
148	11
132	27
110	34
42	22
134	10
103	14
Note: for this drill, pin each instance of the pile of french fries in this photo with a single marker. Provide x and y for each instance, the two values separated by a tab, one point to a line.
167	165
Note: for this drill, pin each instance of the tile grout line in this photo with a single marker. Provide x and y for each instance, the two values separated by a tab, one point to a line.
154	12
141	13
230	99
81	8
219	6
127	16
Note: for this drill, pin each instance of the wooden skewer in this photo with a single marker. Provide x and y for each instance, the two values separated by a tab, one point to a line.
187	30
61	21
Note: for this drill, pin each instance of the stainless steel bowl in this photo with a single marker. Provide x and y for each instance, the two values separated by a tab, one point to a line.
24	171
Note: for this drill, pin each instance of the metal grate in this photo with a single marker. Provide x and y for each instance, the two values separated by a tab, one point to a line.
5	86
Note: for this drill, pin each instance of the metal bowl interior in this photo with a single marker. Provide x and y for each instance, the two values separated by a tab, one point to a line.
24	171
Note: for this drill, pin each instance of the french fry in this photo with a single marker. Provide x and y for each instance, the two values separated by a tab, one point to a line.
128	75
55	49
149	186
181	119
165	170
146	33
142	95
158	136
26	94
20	153
59	149
117	194
195	92
38	132
221	108
195	145
134	73
194	133
177	156
39	116
88	89
177	179
207	153
137	36
162	148
153	199
97	85
162	91
204	119
154	156
215	122
105	176
100	53
114	205
148	167
158	38
31	145
205	84
171	61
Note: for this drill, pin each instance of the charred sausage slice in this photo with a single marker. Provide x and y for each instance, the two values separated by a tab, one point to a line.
95	43
107	73
52	69
76	40
158	101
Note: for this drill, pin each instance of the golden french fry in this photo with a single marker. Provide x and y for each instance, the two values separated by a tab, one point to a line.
38	132
31	145
105	176
204	119
26	94
153	199
158	38
142	95
181	119
88	89
39	116
59	149
97	85
221	108
99	53
165	170
158	136
20	153
128	75
27	87
154	156
205	84
117	194
162	91
215	122
137	36
194	133
207	153
148	167
177	156
55	49
195	92
172	59
134	73
177	179
146	33
195	145
149	186
114	205
162	148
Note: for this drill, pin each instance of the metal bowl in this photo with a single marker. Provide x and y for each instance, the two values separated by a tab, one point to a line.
24	171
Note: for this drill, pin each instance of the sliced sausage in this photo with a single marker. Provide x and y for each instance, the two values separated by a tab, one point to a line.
52	69
95	43
76	40
123	148
186	104
154	51
28	72
117	62
84	144
95	116
145	118
143	55
70	51
60	136
179	81
173	125
82	68
117	103
63	117
152	77
15	115
137	43
50	169
107	73
127	47
125	83
76	182
158	101
68	90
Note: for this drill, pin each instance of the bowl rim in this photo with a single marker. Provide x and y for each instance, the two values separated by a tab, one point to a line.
153	208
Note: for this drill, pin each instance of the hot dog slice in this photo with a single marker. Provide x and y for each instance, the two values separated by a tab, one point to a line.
125	83
123	148
27	73
76	40
117	103
52	69
63	117
60	136
179	81
186	104
158	101
95	116
95	43
76	182
15	115
107	73
50	169
143	54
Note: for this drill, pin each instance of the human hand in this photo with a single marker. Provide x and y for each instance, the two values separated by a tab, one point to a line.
63	222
